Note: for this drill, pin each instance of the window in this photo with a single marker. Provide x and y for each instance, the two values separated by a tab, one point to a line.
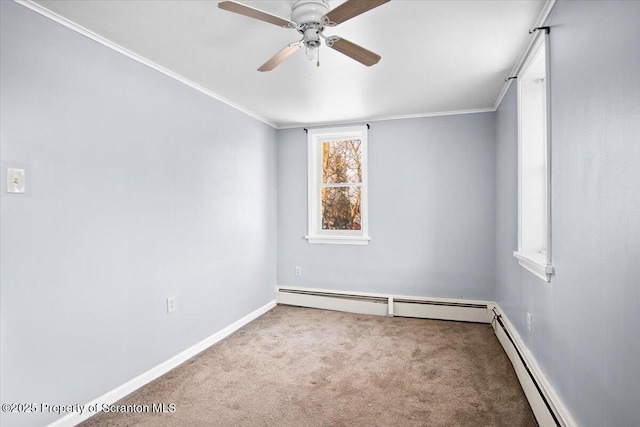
338	186
534	174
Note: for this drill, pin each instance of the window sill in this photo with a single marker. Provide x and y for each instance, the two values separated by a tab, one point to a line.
535	264
339	240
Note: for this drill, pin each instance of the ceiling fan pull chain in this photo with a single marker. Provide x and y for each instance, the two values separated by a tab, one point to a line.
318	63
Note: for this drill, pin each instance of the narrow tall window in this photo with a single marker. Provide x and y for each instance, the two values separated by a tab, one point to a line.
534	208
338	186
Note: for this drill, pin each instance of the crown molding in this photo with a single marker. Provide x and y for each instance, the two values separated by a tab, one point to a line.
385	118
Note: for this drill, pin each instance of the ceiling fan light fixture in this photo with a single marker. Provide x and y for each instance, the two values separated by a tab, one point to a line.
312	52
311	33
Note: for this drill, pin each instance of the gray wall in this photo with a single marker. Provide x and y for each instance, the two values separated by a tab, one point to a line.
586	322
139	188
431	212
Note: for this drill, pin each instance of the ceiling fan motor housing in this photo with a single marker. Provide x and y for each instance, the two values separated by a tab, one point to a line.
309	11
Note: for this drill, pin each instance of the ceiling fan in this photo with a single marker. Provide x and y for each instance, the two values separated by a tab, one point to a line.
309	18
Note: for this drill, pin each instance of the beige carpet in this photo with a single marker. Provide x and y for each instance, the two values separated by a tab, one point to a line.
304	367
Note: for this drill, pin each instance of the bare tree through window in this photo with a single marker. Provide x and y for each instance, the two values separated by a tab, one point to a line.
341	184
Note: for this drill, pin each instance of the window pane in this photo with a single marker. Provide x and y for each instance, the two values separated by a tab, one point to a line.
341	208
342	161
533	156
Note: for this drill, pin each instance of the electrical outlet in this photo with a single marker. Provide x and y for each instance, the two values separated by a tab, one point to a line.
529	320
171	304
298	271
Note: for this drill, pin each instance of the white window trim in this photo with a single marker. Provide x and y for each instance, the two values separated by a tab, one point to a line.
538	264
315	232
535	266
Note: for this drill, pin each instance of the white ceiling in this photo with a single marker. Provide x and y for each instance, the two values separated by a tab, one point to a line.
437	56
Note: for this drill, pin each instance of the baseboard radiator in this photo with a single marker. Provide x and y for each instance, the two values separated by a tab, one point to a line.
547	407
386	305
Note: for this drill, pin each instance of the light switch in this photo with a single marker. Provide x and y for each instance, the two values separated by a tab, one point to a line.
15	180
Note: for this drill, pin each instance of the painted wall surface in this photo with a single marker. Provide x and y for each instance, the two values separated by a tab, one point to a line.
138	187
431	212
586	322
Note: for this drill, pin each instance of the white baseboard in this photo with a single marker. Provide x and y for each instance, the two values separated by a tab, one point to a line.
118	393
547	407
387	305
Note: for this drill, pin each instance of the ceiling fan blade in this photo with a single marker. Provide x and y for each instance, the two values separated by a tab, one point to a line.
353	51
349	9
280	56
254	13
